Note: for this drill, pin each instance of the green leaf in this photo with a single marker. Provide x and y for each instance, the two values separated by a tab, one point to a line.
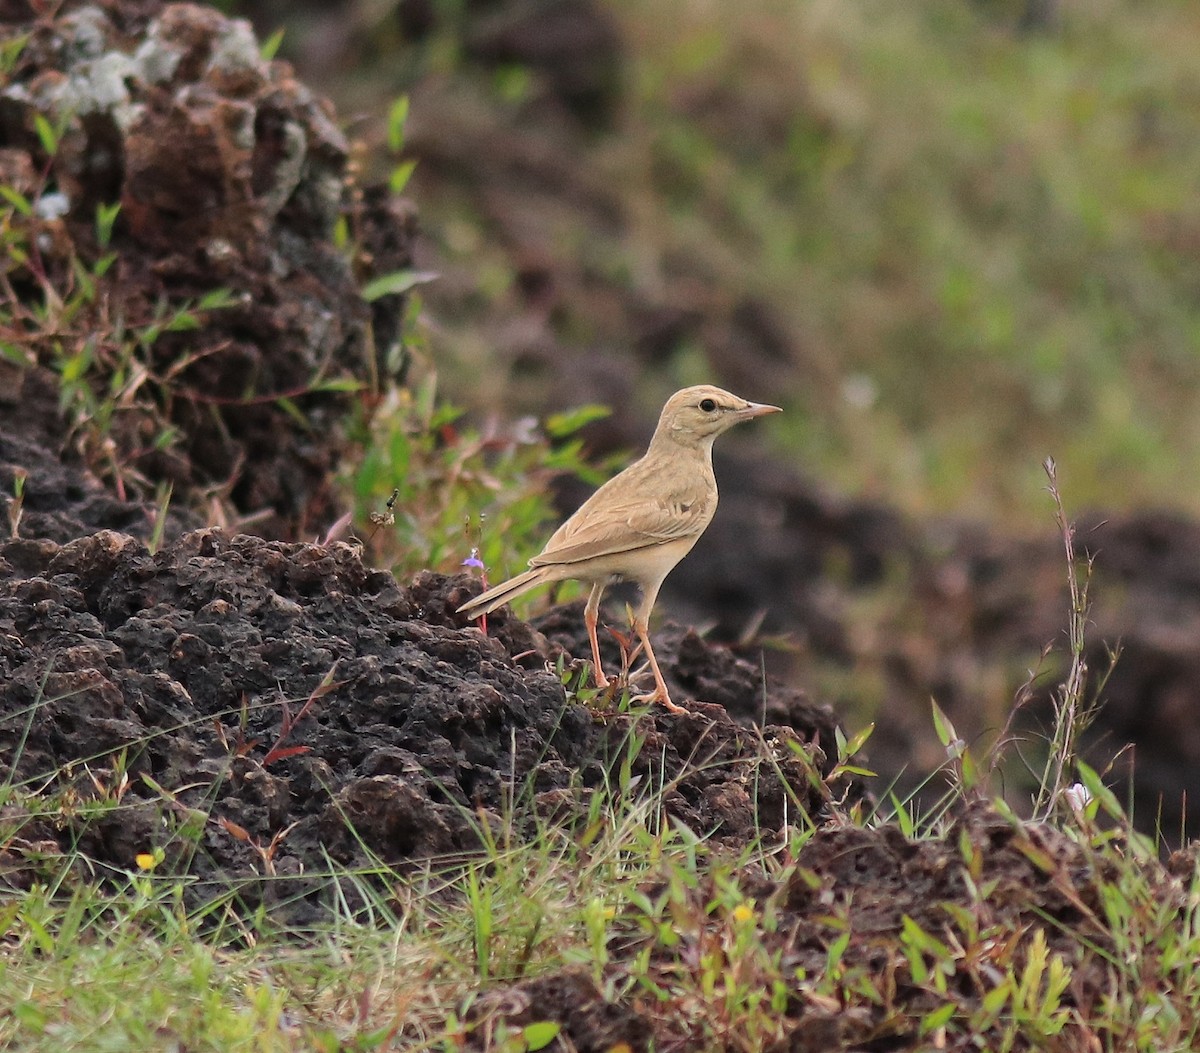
970	770
76	366
936	1018
87	287
18	200
395	283
833	956
184	321
341	233
1099	792
158	788
401	175
913	932
106	218
1004	809
40	934
292	410
904	819
941	724
859	740
216	300
560	425
10	51
270	46
46	134
30	1016
14	354
397	120
1042	860
540	1035
338	384
997	998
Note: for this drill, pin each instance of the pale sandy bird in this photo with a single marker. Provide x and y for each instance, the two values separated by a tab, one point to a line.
640	523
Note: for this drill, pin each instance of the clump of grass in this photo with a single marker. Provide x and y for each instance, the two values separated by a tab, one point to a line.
715	948
449	488
403	965
57	311
53	312
971	774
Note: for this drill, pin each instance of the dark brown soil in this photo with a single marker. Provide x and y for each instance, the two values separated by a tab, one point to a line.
192	670
590	1022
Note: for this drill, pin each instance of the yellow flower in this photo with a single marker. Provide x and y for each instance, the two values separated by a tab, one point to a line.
145	861
743	912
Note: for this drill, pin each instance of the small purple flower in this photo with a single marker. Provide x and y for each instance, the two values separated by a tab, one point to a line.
473	560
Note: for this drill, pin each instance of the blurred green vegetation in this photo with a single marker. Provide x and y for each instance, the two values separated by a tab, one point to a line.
987	242
978	235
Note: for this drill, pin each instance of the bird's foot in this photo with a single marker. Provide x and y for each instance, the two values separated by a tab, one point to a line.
662	699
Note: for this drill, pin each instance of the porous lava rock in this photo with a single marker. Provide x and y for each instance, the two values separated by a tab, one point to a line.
252	708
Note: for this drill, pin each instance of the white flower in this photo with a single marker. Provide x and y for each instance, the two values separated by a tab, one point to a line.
1078	797
52	206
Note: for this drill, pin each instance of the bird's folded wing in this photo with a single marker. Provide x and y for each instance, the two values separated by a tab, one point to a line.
625	528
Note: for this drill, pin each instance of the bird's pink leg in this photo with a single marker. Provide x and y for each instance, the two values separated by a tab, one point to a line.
641	626
591	614
660	685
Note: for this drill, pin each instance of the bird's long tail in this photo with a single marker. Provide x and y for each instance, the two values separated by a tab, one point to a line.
499	595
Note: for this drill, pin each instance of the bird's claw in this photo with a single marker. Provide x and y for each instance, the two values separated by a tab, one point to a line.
663	700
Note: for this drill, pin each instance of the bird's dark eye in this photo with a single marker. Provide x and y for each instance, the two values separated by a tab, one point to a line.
708	405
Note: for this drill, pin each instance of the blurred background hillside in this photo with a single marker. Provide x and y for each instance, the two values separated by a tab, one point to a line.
951	237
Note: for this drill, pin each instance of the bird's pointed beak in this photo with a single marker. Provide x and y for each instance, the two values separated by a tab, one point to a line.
756	409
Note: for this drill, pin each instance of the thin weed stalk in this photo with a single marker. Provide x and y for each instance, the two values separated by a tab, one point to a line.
1073	712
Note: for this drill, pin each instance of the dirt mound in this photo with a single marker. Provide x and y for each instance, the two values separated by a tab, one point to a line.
253	708
218	306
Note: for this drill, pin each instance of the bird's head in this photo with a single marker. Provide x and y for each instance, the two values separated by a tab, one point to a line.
696	416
